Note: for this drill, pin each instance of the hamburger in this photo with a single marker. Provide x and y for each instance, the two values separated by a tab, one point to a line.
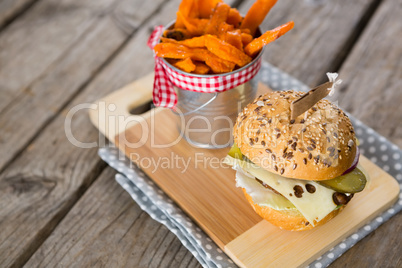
296	173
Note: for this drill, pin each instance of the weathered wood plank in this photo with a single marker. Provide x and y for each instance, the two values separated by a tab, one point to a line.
322	29
371	91
373	74
104	216
42	184
38	38
41	99
43	36
30	111
9	9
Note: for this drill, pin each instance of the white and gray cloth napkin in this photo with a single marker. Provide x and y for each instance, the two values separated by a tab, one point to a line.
161	208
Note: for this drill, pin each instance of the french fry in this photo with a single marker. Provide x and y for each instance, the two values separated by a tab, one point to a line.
186	65
256	15
201	68
219	15
247	31
206	7
234	38
256	45
224	28
246	39
210	37
187	9
216	64
234	18
195	41
177	34
174	50
218	47
226	51
195	27
169	40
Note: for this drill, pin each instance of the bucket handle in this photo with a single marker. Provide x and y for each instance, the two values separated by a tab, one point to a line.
199	108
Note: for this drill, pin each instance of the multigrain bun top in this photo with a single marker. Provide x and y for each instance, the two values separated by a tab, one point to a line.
318	145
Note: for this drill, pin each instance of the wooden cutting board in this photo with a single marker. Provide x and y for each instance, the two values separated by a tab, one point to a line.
205	189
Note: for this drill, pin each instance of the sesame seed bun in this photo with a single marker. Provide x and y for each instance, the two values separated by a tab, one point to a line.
318	145
287	219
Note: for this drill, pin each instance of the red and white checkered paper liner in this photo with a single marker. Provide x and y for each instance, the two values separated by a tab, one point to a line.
167	77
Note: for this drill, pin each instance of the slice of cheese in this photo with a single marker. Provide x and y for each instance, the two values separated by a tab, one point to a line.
261	195
314	206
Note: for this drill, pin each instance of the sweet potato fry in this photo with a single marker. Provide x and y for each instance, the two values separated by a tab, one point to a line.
201	68
256	14
216	64
224	28
234	18
256	45
246	39
219	15
175	50
195	41
234	38
177	34
226	51
188	9
218	47
186	65
191	43
206	7
195	27
245	30
172	51
170	40
211	37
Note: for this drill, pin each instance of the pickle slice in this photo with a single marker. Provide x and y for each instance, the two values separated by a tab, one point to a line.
352	182
235	152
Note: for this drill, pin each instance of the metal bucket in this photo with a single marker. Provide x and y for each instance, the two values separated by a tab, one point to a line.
206	120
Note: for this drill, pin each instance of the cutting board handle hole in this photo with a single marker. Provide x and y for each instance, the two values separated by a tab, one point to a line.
141	108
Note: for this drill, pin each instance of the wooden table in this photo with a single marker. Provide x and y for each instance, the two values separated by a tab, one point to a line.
60	205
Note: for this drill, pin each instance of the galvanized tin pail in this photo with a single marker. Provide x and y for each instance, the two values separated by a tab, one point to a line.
206	120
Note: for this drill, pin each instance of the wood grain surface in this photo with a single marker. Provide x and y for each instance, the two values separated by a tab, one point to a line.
106	217
11	9
372	92
322	34
57	54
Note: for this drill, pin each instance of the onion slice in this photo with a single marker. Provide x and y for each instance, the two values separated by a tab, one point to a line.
355	161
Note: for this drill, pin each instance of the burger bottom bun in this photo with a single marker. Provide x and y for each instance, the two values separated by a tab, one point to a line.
287	219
